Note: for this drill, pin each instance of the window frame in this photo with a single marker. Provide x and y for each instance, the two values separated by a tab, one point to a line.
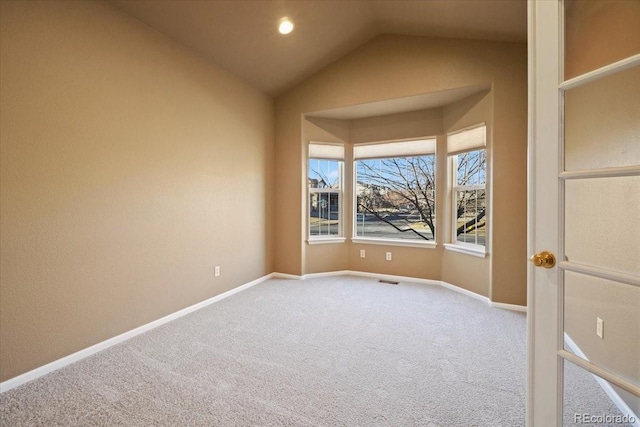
430	244
454	244
324	239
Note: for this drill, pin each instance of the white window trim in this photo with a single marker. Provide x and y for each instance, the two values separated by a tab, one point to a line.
323	240
395	242
456	245
429	244
340	238
468	187
467	248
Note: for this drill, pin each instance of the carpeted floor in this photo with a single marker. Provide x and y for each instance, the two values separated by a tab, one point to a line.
339	351
583	395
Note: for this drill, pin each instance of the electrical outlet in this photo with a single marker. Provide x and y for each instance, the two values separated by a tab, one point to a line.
388	257
216	271
362	253
600	327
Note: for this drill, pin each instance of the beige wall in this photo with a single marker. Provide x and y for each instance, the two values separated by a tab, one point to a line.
599	32
129	169
413	124
392	67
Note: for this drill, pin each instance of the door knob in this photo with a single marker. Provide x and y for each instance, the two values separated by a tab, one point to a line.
544	259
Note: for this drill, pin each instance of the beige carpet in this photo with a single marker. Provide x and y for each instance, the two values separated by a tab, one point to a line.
340	351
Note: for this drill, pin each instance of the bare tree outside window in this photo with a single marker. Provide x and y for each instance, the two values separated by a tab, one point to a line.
395	198
471	197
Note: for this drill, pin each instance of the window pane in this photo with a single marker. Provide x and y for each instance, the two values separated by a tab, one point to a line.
471	219
324	212
472	167
395	198
324	197
324	173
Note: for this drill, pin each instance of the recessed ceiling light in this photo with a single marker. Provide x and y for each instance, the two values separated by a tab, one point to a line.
286	26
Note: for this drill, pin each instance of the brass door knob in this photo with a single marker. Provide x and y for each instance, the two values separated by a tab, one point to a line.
544	259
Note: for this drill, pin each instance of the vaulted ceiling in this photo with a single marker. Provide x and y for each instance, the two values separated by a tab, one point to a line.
241	35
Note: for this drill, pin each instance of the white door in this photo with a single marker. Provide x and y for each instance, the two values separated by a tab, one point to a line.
584	208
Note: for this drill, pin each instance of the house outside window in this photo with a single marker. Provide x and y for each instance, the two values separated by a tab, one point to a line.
468	159
394	188
324	181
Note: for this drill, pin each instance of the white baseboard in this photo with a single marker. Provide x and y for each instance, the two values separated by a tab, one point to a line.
465	292
79	355
455	288
604	384
325	274
357	273
512	307
67	360
286	276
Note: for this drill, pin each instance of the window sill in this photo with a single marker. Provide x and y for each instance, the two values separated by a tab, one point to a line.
478	251
390	242
325	240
